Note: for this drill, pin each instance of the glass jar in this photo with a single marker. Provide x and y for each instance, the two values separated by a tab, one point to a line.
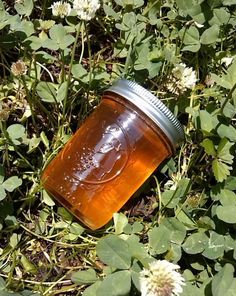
111	155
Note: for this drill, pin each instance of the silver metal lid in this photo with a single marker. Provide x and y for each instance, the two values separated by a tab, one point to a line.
151	106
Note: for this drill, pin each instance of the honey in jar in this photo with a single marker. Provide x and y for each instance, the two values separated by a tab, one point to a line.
116	149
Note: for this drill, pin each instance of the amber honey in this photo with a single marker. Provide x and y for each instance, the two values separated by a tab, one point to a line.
110	156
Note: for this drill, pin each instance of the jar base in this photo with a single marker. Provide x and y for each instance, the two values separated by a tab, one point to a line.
75	212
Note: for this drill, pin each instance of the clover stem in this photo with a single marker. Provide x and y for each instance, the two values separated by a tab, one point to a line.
70	66
229	96
90	56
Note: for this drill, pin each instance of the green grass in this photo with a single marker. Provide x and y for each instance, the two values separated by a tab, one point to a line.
185	212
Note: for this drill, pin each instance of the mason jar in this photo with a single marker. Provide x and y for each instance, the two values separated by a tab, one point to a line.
128	135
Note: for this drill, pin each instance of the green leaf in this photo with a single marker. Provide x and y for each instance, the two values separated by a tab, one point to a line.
215	246
80	73
192	47
27	265
223	151
227	131
226	213
59	35
112	250
176	229
47	199
209	147
115	284
228	2
76	228
43	55
191	36
227	80
153	69
222	281
231	183
183	187
12	183
227	197
33	144
16	131
190	39
151	10
220	17
206	121
190	289
159	240
137	227
214	3
120	221
65	214
46	91
231	73
221	80
174	253
25	7
206	223
44	139
137	250
210	35
132	3
92	290
11	221
229	110
169	199
184	5
135	274
34	42
185	218
66	42
195	243
129	22
50	44
2	284
220	170
229	243
61	225
2	193
6	19
110	11
84	277
62	92
27	27
14	240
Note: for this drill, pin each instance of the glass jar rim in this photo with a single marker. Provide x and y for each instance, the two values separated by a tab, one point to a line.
151	106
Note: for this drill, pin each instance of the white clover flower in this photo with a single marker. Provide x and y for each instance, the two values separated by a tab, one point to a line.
189	78
61	9
182	78
186	75
86	9
19	68
161	279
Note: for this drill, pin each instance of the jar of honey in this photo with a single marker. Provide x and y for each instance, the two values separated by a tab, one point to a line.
111	155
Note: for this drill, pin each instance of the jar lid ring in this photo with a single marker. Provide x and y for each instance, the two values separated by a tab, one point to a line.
151	106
